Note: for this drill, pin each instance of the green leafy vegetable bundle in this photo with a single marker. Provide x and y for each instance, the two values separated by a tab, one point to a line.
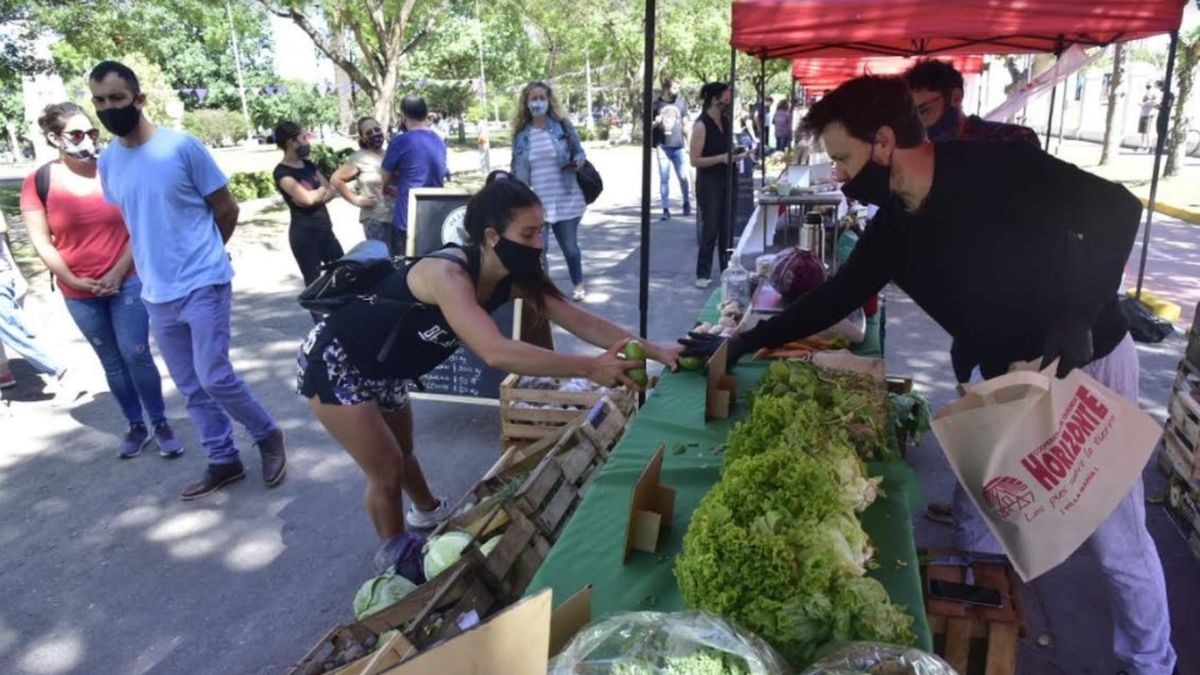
850	407
776	546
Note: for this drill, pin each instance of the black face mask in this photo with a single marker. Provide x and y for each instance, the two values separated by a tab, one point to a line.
120	121
524	263
872	184
303	151
374	141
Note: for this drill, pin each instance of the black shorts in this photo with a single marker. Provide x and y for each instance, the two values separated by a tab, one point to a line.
331	377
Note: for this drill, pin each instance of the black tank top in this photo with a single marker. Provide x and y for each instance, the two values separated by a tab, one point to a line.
422	339
715	143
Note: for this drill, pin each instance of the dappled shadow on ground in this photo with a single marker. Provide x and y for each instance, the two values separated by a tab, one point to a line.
98	550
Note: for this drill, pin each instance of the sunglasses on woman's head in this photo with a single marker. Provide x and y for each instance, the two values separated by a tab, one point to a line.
76	135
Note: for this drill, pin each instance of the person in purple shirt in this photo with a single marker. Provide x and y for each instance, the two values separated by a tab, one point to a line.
414	159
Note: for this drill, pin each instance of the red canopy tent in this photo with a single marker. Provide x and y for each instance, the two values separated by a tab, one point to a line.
828	72
855	28
790	28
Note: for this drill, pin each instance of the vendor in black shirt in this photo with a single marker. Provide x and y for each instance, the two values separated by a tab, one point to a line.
1017	255
305	191
355	366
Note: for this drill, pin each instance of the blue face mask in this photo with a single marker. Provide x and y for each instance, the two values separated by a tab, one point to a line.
538	108
946	128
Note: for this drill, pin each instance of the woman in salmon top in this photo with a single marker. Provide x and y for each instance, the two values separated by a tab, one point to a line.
84	242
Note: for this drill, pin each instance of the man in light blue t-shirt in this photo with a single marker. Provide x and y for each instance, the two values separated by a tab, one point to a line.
180	213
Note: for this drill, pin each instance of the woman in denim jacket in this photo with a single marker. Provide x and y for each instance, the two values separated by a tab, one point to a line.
547	156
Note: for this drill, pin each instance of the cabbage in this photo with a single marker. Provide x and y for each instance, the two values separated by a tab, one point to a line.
444	550
796	272
380	593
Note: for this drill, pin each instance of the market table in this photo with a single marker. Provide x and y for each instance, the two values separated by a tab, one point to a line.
590	549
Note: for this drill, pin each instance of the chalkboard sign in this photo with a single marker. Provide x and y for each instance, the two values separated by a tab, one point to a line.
436	217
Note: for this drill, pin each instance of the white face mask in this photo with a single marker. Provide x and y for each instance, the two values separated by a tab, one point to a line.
539	108
85	149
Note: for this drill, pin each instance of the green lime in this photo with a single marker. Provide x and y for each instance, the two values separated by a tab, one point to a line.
634	350
691	362
638	375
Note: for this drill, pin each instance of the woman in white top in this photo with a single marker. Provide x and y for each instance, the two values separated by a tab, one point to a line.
547	156
359	181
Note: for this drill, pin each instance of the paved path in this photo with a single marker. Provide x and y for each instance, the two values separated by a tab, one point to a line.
105	571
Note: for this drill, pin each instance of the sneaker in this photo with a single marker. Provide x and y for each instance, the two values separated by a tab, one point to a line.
169	447
67	389
580	294
666	214
427	520
7	381
216	476
404	554
687	209
939	513
274	457
135	439
702	283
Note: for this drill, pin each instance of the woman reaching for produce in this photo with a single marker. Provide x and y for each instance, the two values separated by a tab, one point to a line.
355	365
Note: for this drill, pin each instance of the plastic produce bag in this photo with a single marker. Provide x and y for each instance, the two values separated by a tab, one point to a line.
661	643
873	658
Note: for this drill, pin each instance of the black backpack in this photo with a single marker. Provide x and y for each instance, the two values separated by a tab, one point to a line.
349	278
354	277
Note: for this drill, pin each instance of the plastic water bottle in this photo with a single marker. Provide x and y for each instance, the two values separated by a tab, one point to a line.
735	281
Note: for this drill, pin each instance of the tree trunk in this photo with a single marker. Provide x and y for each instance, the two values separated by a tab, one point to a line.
341	85
462	130
384	101
1187	57
13	143
1113	119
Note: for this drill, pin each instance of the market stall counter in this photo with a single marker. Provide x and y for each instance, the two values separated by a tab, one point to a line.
591	547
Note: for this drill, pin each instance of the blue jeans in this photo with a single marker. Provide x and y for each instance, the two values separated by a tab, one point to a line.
566	233
17	334
668	157
193	335
118	329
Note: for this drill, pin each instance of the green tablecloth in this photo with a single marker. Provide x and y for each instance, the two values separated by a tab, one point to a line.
590	548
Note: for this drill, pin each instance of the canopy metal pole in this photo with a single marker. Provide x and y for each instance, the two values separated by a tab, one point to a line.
1050	121
1164	114
762	102
1062	120
647	121
731	185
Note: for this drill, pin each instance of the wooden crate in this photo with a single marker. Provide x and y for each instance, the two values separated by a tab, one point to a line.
601	428
468	592
519	425
1181	438
552	476
975	640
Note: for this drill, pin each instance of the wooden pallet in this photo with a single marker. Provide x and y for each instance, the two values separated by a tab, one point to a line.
975	640
521	425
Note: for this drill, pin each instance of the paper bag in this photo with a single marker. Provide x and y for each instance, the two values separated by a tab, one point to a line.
1045	460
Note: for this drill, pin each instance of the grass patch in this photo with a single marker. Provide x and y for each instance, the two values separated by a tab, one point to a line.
10	198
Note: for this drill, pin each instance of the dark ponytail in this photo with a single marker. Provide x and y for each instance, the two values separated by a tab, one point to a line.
495	206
